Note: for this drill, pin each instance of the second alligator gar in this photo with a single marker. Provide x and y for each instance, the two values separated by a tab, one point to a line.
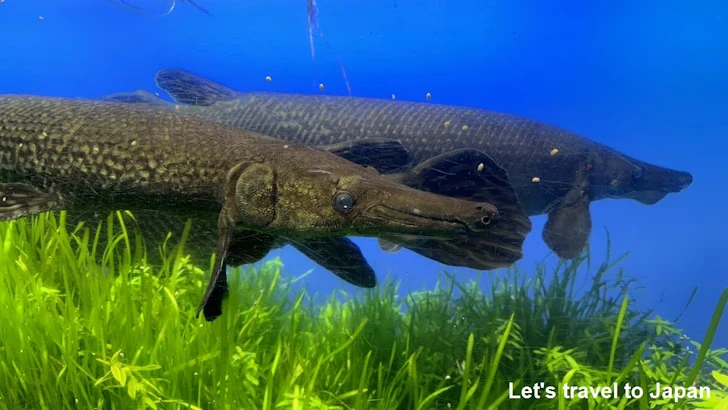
554	171
94	156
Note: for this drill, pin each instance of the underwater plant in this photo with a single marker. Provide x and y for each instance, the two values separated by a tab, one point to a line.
86	326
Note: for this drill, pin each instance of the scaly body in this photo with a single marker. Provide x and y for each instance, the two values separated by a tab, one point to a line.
554	171
90	156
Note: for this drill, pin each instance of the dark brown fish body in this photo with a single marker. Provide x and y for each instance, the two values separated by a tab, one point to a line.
91	156
545	164
98	155
83	152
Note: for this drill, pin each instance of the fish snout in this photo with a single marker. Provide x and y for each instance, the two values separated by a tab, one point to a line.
665	179
684	180
483	217
426	214
464	216
657	183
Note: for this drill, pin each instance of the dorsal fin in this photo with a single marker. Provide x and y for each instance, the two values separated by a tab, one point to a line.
470	174
138	97
188	88
384	155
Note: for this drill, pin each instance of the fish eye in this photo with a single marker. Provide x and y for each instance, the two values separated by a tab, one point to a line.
637	173
343	201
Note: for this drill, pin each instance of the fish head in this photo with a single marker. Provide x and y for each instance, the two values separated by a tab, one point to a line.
325	195
622	177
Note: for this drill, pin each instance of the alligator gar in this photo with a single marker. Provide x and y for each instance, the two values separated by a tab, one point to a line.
97	156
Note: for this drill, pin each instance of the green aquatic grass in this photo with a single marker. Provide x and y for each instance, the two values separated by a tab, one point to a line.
87	325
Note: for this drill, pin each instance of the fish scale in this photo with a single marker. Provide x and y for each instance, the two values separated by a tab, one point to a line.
420	127
70	146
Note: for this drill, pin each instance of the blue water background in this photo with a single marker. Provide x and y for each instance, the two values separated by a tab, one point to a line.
646	78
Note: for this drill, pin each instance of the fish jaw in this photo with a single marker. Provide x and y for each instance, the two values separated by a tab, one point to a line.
657	182
410	211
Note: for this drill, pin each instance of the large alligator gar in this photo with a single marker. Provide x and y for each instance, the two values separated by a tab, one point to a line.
497	247
92	157
554	171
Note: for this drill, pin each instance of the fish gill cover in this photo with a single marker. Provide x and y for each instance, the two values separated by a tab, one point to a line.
456	101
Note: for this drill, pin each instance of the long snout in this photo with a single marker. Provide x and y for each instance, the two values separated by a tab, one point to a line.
658	182
412	211
682	180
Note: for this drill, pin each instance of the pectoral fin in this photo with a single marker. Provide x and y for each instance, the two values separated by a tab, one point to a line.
569	223
138	97
340	256
20	200
388	246
384	155
245	247
249	247
568	227
217	288
249	196
188	88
